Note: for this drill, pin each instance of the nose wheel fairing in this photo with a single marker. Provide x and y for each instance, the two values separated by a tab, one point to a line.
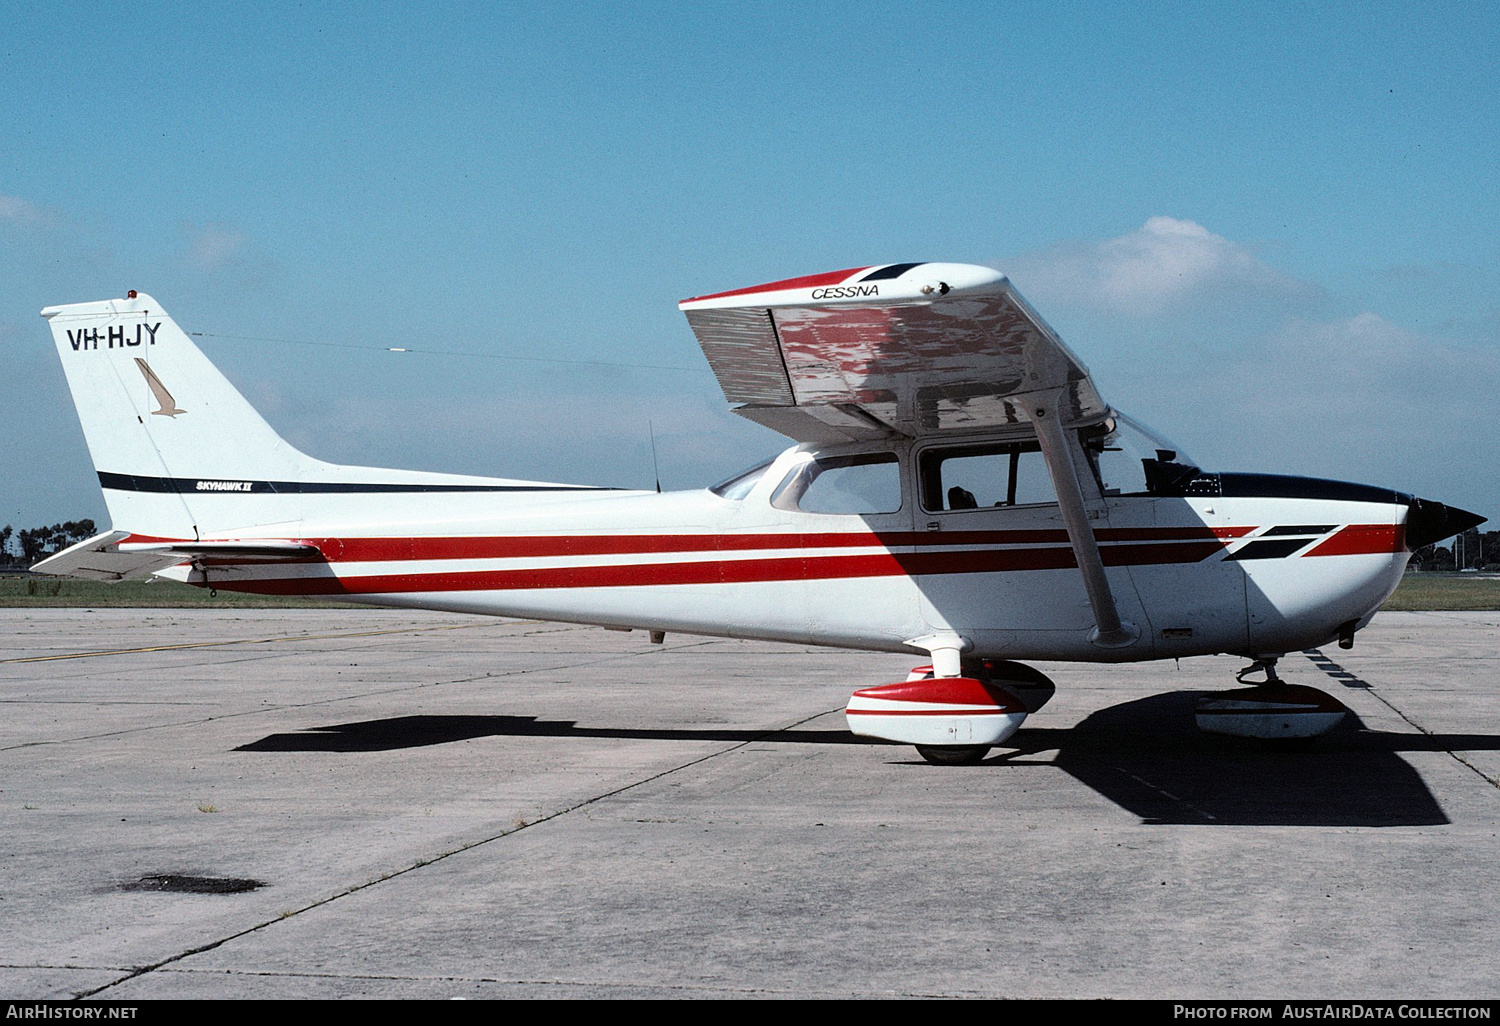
1269	710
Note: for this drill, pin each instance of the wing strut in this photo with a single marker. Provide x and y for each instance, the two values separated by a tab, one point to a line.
1109	630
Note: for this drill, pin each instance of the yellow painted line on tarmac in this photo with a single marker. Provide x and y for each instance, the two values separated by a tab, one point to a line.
252	641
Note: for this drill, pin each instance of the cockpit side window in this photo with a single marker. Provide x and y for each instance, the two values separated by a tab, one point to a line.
843	485
984	476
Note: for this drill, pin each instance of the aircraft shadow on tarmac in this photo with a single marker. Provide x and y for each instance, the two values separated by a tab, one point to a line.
421	731
1147	756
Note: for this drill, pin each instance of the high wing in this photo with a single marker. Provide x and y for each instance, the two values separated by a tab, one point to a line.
895	349
913	350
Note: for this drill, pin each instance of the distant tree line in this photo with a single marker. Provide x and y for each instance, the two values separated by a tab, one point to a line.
1472	550
20	549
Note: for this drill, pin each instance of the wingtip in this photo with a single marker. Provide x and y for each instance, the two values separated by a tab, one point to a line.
873	282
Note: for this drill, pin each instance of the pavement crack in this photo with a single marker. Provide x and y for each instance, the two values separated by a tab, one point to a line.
1318	660
450	853
247	641
1167	794
380	692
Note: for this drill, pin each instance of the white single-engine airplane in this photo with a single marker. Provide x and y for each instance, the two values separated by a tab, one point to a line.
958	488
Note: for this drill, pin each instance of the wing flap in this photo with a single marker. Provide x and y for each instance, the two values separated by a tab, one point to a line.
741	347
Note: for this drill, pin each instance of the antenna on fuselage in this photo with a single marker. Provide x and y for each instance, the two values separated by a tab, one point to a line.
654	470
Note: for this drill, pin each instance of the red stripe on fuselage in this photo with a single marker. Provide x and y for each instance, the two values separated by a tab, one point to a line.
373	550
390	549
1360	539
734	571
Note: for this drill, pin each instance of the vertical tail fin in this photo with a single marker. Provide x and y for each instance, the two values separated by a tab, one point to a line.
161	422
181	454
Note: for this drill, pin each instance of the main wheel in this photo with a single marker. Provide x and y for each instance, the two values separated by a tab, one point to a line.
953	755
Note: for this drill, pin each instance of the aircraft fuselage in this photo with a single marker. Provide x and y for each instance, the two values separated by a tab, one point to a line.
1252	565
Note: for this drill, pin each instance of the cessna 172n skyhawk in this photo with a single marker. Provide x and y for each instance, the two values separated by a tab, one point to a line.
958	488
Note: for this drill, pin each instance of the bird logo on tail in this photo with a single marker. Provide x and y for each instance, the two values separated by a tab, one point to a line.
163	397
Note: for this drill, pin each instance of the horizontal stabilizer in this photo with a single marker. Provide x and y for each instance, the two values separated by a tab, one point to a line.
109	557
227	551
100	559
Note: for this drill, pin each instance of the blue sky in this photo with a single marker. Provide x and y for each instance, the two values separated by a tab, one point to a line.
1270	230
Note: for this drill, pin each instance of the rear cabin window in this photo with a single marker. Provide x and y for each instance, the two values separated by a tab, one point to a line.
845	485
985	476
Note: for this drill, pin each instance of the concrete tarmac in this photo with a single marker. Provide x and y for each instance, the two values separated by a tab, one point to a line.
445	806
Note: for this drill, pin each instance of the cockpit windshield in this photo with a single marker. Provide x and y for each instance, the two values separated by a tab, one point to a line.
1132	459
741	484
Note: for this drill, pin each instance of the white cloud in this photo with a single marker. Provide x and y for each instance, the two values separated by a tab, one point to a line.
19	211
223	252
1369	360
1164	263
1358	398
213	247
